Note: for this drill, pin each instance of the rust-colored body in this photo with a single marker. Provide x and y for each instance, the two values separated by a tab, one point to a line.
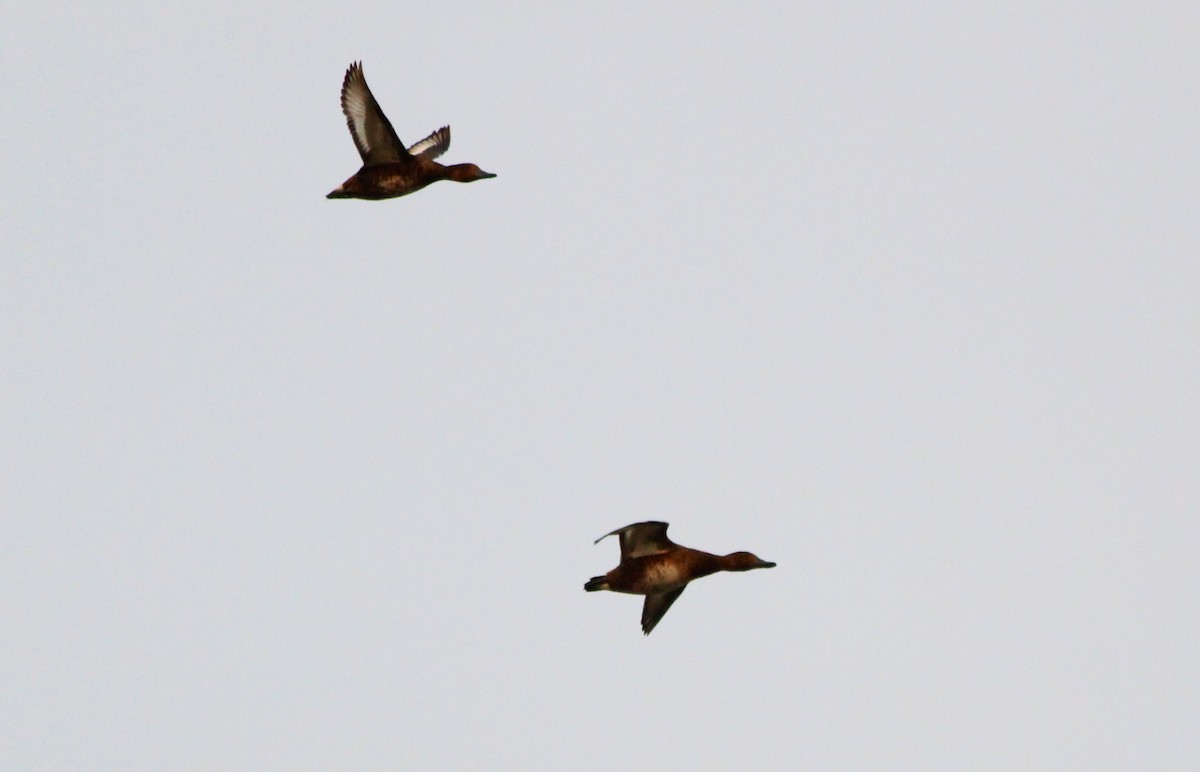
389	168
392	180
654	566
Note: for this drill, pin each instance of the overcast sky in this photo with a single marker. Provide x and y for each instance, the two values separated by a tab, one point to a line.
900	296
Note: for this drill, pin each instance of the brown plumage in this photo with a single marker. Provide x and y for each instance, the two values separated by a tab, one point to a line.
654	566
389	168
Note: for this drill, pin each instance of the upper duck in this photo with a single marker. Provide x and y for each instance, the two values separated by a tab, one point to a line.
654	566
389	169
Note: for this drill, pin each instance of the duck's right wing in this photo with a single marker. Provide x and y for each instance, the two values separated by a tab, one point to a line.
372	132
657	605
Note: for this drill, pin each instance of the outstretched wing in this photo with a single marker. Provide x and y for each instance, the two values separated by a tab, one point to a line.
640	539
657	605
373	134
432	146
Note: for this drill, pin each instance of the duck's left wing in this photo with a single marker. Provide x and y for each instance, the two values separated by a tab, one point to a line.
432	146
641	539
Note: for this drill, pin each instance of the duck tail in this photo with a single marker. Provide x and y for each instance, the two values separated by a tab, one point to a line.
596	583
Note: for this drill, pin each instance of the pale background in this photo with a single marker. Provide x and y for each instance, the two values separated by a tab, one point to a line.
902	297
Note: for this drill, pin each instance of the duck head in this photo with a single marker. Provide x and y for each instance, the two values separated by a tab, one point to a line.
466	173
744	561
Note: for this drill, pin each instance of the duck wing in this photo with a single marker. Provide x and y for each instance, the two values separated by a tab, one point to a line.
372	132
641	539
657	605
432	146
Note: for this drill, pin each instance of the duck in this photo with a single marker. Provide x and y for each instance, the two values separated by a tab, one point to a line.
389	169
654	566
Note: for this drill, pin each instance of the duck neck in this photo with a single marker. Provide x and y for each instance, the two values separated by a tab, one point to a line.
705	563
458	172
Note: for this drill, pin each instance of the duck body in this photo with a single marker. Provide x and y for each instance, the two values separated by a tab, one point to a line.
390	169
653	574
654	566
391	180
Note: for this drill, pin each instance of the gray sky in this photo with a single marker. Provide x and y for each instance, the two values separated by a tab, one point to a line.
902	299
